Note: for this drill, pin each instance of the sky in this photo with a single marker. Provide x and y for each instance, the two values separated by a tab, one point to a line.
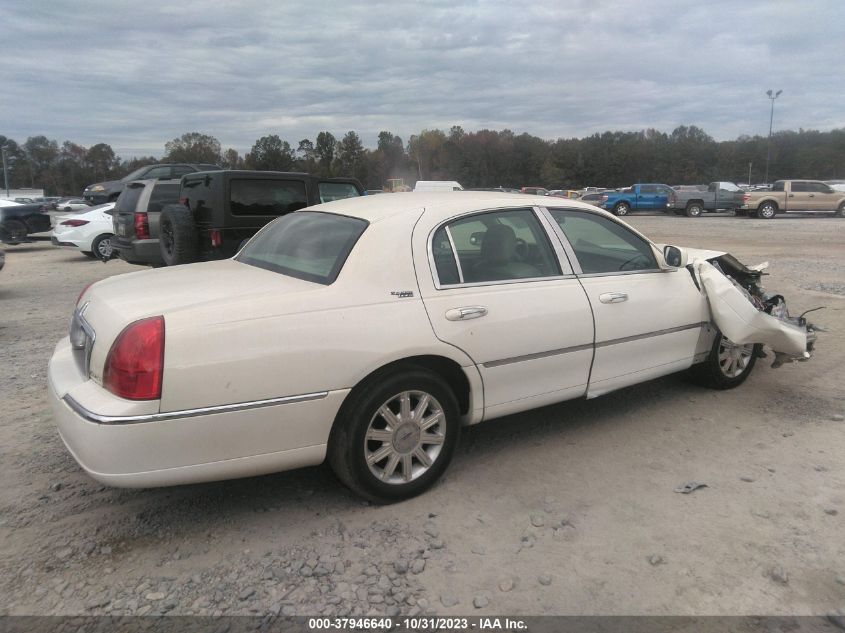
137	74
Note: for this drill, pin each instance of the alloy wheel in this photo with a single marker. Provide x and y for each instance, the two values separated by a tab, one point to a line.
405	437
733	358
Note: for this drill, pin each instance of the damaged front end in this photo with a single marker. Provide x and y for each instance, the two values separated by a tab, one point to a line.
745	313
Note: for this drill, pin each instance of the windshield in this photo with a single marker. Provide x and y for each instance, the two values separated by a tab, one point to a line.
306	245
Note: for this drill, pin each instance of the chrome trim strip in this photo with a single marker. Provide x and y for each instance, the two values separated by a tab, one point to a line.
454	254
90	416
564	263
504	282
579	348
637	337
519	359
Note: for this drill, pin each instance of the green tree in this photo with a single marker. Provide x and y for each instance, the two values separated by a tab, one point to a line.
324	150
350	151
102	161
193	147
271	153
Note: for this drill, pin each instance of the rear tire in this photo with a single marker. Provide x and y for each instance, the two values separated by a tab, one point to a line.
727	366
16	230
101	247
694	210
622	209
177	235
381	456
840	212
767	210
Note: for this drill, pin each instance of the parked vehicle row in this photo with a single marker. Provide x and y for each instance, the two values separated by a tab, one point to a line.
793	195
90	232
108	191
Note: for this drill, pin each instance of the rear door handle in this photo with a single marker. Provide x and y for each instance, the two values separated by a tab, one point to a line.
613	297
469	312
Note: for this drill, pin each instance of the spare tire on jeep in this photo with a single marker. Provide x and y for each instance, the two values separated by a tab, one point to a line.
177	235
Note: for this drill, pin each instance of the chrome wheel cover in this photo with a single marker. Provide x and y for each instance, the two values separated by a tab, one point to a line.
405	437
733	358
104	247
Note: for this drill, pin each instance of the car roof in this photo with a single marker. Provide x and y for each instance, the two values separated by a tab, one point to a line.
444	204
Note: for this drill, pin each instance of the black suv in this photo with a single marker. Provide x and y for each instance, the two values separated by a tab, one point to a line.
136	220
102	192
218	210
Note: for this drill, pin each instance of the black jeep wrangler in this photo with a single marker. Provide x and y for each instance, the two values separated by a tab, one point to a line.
218	210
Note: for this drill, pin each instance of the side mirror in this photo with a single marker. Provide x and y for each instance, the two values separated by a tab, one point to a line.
674	256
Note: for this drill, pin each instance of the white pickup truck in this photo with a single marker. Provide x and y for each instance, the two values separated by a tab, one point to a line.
794	195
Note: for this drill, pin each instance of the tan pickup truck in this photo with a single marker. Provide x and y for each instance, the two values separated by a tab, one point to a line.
794	195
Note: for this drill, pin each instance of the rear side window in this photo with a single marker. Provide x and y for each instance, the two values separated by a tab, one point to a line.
778	186
266	197
163	194
800	187
128	200
336	191
309	246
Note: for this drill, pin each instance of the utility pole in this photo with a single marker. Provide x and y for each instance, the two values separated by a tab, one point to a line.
772	98
5	169
749	174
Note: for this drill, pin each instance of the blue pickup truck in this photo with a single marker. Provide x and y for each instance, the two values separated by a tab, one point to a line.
642	197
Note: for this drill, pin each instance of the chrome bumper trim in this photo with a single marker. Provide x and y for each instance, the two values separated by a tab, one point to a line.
90	416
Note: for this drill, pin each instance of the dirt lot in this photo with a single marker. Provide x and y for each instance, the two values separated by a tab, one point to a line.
569	509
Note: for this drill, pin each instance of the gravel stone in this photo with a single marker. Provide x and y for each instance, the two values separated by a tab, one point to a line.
418	566
779	575
479	549
506	584
831	511
246	594
538	520
479	602
401	567
544	579
431	530
655	559
837	417
154	596
449	600
747	479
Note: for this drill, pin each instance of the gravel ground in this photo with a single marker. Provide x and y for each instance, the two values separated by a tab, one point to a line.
569	509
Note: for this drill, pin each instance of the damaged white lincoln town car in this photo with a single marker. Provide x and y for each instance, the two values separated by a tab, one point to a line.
366	331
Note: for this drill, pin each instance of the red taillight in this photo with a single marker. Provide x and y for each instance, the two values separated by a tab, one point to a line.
142	226
135	364
74	223
216	238
184	200
84	290
746	197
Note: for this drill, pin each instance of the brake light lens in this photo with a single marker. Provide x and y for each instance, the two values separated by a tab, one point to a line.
135	364
142	226
184	200
746	197
216	238
74	223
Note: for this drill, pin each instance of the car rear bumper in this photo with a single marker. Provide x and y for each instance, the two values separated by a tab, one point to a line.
57	242
131	444
145	252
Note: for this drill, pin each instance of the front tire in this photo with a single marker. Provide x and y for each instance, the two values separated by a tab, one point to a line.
840	212
767	210
395	435
727	366
622	209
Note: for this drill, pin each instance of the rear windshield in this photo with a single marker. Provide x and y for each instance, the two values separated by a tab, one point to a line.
307	245
336	191
128	199
266	197
162	195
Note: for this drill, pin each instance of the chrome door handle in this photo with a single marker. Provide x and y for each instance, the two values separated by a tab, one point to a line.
462	314
613	297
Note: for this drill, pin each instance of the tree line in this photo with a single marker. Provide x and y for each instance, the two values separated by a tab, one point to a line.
485	158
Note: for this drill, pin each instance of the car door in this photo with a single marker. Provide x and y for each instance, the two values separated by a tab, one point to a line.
798	198
822	197
500	289
648	321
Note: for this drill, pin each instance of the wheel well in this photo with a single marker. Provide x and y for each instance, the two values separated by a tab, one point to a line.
698	202
771	202
447	369
621	202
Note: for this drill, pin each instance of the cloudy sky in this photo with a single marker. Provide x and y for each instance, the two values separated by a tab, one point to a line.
137	74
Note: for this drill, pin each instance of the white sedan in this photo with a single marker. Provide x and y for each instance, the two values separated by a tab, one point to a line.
366	331
90	232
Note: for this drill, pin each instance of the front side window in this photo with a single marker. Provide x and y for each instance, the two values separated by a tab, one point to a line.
602	245
494	246
310	246
818	187
266	197
336	191
158	172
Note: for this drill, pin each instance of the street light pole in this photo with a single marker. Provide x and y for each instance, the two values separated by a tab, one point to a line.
5	171
772	98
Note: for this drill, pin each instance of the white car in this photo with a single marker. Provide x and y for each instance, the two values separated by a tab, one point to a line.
90	232
368	330
73	204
